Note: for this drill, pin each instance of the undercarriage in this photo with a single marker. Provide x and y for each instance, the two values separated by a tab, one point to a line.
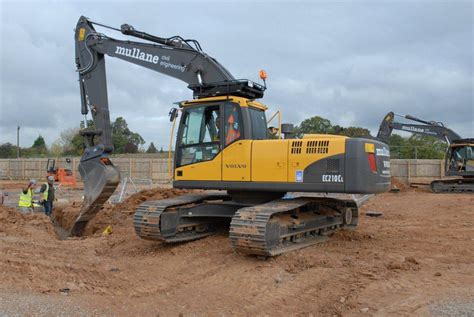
257	228
460	185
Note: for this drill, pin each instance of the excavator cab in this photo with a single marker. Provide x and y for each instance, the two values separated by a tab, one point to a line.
209	126
460	158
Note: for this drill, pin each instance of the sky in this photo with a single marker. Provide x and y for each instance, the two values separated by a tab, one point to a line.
349	62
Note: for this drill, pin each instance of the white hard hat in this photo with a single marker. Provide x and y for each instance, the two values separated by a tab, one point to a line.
33	181
51	178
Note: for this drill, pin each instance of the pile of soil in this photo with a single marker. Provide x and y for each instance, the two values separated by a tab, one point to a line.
13	221
396	184
116	215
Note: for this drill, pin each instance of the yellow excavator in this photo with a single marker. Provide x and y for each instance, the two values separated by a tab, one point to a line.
222	145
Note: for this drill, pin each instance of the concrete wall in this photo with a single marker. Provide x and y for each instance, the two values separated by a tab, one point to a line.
156	169
417	171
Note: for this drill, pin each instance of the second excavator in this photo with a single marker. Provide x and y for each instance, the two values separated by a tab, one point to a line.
459	157
222	145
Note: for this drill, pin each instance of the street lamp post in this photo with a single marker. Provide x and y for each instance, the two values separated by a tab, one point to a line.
18	142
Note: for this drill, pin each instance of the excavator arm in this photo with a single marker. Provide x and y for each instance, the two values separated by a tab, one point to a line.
174	57
430	128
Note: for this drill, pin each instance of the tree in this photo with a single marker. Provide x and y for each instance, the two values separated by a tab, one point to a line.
56	149
130	148
321	125
121	135
39	146
71	141
39	142
123	140
353	132
426	147
416	146
7	150
314	124
152	148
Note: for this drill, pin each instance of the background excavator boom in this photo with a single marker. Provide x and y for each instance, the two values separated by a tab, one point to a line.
430	128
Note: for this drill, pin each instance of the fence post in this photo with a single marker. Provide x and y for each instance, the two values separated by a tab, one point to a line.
441	169
150	169
408	172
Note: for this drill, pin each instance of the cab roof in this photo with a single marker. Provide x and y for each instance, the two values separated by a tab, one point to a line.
243	102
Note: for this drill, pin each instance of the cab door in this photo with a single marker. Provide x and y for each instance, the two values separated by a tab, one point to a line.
237	151
198	148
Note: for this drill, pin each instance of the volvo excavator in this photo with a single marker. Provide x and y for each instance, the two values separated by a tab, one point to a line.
222	145
459	158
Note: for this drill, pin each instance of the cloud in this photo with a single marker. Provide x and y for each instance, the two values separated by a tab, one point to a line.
349	62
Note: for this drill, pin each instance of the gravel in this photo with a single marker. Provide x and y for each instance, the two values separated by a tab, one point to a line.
453	308
13	305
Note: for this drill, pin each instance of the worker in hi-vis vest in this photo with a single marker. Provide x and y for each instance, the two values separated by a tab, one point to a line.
26	197
47	195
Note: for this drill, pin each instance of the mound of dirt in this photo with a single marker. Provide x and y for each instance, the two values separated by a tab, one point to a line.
396	184
13	221
117	216
133	201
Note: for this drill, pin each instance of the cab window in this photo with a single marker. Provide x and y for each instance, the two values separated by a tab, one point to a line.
259	124
200	135
232	123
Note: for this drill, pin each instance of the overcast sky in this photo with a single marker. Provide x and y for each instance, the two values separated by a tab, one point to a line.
348	62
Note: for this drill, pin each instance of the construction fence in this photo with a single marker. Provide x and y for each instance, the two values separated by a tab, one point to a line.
156	169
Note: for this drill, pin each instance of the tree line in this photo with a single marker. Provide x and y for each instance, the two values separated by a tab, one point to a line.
70	142
412	147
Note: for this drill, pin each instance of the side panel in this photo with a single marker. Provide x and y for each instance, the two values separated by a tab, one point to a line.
206	171
359	177
236	161
269	161
305	153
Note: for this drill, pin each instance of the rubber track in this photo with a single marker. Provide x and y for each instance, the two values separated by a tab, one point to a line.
248	228
147	217
452	186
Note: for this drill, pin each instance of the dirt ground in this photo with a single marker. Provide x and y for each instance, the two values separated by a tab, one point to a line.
417	259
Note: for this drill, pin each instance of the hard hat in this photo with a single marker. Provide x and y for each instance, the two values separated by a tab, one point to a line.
50	178
33	181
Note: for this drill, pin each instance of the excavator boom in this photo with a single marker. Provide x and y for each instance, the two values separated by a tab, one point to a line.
175	57
430	128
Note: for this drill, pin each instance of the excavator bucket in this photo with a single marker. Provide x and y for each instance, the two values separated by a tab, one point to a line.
101	178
